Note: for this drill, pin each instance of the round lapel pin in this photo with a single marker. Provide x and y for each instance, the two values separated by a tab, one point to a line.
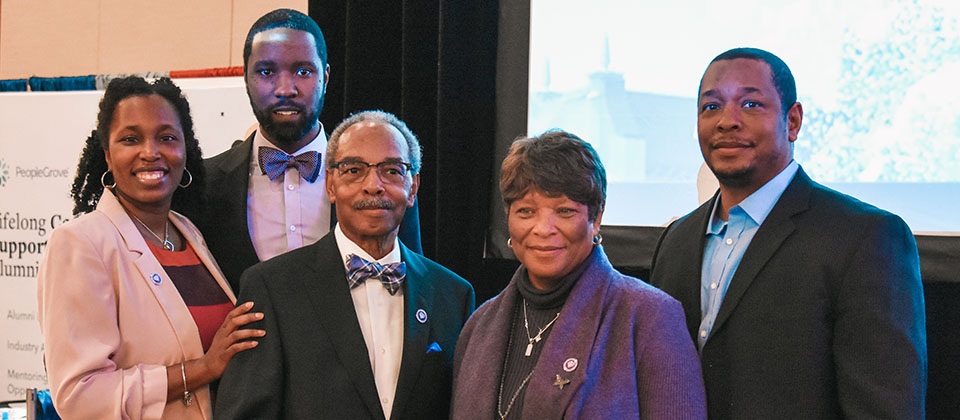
156	278
421	316
570	364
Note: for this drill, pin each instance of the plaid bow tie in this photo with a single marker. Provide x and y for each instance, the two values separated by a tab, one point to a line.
390	275
273	162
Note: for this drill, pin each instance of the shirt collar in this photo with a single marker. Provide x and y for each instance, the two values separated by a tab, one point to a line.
318	144
758	205
348	247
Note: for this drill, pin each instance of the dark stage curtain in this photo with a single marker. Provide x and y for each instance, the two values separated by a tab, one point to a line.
431	63
434	65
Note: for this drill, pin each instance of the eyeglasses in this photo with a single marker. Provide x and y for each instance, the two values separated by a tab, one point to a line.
354	171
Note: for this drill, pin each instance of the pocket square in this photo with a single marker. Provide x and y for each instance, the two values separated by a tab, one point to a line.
433	348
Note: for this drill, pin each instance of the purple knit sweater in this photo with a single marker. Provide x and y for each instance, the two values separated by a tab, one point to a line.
634	357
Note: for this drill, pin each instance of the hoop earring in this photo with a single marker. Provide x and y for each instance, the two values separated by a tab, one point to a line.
597	240
510	242
189	180
104	183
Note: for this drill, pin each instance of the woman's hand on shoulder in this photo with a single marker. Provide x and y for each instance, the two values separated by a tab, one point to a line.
230	339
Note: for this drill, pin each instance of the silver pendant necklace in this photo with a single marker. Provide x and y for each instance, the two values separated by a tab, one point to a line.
536	338
530	340
165	240
503	377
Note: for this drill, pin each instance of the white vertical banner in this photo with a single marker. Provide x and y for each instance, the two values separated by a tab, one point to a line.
41	137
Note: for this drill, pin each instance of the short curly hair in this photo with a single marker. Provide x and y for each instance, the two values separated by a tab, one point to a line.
556	163
87	188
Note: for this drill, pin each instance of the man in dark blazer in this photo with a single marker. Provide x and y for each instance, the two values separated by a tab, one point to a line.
345	338
252	214
805	303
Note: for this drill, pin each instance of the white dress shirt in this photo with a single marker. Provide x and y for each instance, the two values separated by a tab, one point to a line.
289	212
381	321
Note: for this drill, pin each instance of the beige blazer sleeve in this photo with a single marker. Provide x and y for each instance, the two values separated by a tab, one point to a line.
112	320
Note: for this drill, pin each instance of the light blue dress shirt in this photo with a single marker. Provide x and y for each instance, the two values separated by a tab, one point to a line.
727	241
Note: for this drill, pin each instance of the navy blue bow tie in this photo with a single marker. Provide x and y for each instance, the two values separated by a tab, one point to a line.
273	162
390	275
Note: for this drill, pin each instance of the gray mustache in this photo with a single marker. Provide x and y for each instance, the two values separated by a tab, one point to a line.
373	204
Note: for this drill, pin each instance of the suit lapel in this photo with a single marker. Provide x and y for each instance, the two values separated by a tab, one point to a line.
327	286
417	296
684	285
770	236
236	177
232	183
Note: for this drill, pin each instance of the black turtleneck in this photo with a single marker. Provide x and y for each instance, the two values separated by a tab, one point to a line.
542	306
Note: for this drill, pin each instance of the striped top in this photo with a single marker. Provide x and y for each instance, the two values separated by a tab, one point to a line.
207	302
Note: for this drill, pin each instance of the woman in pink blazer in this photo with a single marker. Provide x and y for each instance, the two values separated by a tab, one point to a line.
136	316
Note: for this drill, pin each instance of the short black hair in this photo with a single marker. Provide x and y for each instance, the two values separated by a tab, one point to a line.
782	77
87	188
286	18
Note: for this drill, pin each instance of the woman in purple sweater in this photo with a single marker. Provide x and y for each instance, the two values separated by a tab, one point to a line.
570	337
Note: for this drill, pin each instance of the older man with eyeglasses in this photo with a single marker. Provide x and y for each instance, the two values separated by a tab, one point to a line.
338	346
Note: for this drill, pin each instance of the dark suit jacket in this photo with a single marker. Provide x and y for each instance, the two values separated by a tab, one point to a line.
823	319
313	363
223	218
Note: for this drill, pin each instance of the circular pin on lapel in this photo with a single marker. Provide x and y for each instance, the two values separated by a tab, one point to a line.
422	316
570	364
156	278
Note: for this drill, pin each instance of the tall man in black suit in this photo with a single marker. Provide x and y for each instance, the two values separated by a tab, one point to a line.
805	303
357	325
266	195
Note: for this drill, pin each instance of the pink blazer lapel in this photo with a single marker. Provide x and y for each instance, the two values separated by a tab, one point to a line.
155	278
